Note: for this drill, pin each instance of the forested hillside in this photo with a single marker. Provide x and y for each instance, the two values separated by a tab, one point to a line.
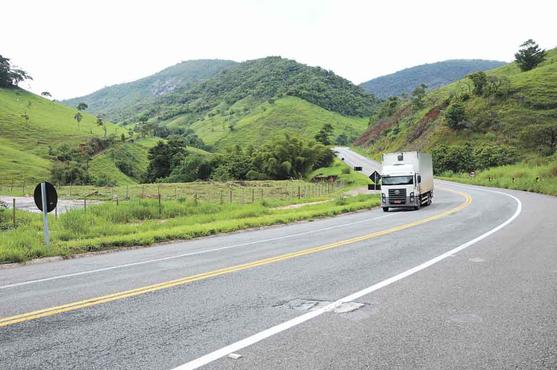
484	120
432	75
120	102
261	80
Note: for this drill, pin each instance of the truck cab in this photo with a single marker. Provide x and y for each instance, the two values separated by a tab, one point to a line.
406	180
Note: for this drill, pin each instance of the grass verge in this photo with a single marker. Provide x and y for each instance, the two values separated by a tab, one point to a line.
143	222
538	178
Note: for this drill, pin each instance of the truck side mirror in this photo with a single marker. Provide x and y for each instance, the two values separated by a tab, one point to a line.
419	179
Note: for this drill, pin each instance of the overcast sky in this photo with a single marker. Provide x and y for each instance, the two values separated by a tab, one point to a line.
74	47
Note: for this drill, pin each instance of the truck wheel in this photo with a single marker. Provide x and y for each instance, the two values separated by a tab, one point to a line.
416	207
428	200
385	209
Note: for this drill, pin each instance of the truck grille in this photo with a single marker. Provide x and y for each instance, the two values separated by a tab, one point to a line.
397	196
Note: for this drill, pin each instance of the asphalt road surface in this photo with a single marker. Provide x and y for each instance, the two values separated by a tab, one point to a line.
353	159
469	282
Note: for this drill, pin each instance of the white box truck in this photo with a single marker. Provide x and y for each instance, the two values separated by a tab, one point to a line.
406	180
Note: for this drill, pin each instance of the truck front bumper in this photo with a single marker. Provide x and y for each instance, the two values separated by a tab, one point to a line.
408	202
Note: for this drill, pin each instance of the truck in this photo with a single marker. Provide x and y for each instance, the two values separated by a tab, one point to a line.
406	180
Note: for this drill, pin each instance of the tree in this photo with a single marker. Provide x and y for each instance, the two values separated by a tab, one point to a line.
10	76
100	122
82	106
418	96
479	79
78	117
529	55
456	116
164	157
324	135
46	94
342	139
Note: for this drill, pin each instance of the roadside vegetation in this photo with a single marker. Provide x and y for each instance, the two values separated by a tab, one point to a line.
494	118
146	221
536	175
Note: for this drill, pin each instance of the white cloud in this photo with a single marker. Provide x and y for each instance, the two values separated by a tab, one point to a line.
75	47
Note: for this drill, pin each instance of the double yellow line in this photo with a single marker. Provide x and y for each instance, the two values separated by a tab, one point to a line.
7	321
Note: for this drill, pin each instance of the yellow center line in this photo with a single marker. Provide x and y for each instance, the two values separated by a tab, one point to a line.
7	321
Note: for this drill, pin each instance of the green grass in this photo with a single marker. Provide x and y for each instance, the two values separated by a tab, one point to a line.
534	177
343	173
24	146
256	123
142	222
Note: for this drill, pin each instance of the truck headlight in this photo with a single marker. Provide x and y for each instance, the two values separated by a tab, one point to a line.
412	196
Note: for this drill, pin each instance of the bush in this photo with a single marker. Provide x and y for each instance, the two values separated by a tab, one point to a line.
465	158
70	172
456	116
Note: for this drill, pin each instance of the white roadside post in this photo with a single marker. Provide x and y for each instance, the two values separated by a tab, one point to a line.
45	214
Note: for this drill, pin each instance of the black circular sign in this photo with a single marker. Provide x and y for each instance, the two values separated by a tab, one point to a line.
51	197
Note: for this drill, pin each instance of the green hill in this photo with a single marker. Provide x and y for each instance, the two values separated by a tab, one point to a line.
515	115
25	144
126	163
433	75
256	100
259	123
119	102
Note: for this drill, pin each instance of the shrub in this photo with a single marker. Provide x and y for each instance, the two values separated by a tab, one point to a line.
456	116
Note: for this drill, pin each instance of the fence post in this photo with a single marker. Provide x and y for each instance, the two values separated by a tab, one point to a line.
117	201
56	213
221	197
13	210
299	192
230	195
85	205
261	193
160	205
195	198
253	195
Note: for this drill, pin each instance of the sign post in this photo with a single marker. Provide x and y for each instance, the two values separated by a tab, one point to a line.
375	177
46	199
45	215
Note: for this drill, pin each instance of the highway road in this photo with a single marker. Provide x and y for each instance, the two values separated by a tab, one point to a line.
469	282
353	159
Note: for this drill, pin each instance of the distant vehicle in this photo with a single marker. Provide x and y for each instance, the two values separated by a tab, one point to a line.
406	180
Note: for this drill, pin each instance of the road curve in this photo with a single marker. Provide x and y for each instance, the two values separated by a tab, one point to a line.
353	159
490	304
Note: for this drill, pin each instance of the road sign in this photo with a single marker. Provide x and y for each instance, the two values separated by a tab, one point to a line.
46	200
51	197
375	177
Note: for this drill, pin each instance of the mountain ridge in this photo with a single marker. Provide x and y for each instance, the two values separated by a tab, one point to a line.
433	75
121	100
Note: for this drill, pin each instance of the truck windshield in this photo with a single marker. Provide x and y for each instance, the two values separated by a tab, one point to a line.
398	180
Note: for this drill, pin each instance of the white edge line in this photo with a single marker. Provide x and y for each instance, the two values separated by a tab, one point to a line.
234	347
29	282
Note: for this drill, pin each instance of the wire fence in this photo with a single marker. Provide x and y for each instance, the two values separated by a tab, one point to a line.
232	192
